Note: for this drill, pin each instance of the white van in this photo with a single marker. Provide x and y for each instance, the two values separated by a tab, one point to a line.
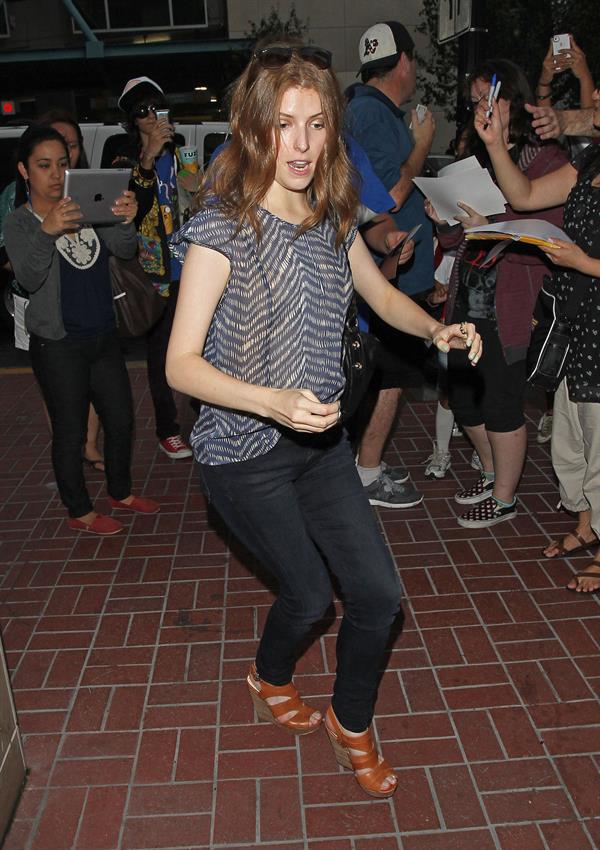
206	137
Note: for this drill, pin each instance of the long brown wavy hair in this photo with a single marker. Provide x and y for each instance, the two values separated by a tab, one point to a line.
242	173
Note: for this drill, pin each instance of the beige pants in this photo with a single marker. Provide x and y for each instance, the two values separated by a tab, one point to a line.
576	453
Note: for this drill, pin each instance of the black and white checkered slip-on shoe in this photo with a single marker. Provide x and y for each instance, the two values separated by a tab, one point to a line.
479	491
486	513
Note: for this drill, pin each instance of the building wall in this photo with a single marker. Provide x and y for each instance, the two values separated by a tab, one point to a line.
338	25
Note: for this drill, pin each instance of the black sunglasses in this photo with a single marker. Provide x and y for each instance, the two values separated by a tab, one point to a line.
144	109
277	57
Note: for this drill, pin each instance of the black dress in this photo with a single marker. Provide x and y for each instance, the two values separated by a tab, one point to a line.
582	224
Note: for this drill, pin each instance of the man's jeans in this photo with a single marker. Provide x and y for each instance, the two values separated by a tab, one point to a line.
301	510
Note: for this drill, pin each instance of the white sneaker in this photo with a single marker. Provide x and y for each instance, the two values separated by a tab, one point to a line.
544	430
438	463
476	462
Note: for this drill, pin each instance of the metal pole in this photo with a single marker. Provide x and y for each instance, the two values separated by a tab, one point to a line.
471	51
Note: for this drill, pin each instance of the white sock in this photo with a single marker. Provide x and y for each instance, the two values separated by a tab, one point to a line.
368	474
444	422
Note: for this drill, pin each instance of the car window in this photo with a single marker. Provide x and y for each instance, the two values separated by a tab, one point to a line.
8	146
211	143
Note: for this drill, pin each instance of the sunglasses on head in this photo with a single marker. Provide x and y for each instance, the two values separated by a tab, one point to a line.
277	57
144	109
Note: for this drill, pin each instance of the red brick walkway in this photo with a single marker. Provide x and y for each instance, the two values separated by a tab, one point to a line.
128	657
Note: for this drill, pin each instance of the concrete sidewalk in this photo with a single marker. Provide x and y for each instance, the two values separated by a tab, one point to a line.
128	657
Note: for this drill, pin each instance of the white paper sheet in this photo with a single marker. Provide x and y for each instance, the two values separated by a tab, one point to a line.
472	186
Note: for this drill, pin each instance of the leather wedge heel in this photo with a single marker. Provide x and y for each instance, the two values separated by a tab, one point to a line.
376	769
261	691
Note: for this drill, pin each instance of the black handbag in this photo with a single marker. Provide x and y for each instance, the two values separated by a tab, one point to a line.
551	334
359	355
138	306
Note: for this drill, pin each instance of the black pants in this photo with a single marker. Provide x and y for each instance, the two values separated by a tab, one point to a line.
165	409
71	374
302	510
491	393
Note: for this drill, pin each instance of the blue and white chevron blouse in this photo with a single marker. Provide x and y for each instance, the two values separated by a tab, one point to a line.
279	322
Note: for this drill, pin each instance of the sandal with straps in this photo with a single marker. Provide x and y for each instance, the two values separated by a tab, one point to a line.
261	691
376	769
561	552
586	574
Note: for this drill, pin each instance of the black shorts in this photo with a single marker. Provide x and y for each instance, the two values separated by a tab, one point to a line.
491	393
401	357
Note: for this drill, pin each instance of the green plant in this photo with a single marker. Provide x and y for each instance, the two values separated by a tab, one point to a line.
274	27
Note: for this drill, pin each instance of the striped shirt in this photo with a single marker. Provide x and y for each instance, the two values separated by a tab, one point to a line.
279	322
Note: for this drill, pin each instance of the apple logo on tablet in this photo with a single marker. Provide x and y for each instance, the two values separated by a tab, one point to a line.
98	196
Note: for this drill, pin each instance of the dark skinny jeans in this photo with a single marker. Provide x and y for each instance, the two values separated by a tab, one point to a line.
296	508
71	374
165	409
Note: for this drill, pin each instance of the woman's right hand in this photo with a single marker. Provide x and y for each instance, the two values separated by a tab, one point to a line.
302	411
64	217
489	127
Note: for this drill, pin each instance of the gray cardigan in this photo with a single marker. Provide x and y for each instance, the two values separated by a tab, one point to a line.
36	265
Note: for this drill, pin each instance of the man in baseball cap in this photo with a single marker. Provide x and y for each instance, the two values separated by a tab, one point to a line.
383	44
376	121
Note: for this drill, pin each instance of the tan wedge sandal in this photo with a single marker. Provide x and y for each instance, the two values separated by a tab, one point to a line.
376	769
261	691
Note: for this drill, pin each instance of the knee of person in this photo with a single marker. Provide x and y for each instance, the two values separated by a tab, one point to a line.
310	607
378	602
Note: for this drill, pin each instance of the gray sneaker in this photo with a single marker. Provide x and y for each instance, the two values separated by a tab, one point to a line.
385	492
398	474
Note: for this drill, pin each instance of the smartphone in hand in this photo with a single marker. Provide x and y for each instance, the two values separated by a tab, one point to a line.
561	42
398	249
421	111
162	115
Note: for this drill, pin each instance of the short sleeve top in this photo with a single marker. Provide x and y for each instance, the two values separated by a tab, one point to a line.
279	322
582	224
377	124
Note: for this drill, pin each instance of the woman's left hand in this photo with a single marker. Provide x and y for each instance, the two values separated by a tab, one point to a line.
568	255
460	335
471	218
127	206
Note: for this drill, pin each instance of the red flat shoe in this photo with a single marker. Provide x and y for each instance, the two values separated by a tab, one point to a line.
376	769
261	691
101	524
139	504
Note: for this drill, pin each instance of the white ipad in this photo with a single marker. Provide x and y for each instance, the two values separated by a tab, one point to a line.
96	190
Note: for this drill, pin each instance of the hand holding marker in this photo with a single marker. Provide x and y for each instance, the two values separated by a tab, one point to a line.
492	96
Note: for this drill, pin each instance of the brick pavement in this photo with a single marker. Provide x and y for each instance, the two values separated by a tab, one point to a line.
128	656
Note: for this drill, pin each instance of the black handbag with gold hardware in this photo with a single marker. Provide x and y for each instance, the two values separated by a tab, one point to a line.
359	354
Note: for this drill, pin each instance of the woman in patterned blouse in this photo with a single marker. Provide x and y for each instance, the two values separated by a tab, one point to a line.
576	426
271	259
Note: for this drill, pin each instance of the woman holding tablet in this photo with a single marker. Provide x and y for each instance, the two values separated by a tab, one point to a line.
75	353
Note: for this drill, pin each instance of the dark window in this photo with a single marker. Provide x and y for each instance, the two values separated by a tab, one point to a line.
103	15
211	143
94	12
8	164
186	13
